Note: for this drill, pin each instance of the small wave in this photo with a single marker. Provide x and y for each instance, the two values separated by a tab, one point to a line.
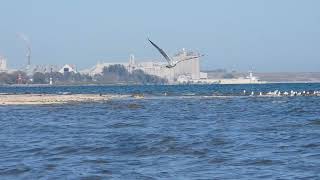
314	156
33	150
50	167
64	150
260	162
92	177
131	106
218	160
311	145
124	125
64	93
100	150
135	106
314	122
14	170
279	102
188	94
219	142
95	161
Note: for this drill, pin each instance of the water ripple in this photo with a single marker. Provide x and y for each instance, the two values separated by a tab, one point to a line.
188	134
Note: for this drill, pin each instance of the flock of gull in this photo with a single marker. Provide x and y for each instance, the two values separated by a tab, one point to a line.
284	93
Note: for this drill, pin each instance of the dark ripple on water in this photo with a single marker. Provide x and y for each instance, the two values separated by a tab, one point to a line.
175	137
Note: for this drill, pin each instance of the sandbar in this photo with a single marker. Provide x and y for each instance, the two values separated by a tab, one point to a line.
39	99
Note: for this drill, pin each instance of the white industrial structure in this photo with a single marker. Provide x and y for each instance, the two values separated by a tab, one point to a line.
45	68
27	68
3	64
68	68
189	70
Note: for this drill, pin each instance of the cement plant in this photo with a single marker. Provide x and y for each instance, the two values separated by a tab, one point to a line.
185	72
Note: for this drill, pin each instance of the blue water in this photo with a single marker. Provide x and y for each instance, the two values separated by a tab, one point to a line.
184	135
160	89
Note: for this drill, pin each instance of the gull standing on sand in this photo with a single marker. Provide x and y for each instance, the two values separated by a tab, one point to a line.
171	63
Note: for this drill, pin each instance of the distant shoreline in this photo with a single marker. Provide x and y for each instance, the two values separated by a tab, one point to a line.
69	85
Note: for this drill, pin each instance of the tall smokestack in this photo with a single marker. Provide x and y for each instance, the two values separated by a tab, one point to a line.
28	45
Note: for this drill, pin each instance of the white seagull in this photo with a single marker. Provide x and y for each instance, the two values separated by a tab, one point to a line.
171	63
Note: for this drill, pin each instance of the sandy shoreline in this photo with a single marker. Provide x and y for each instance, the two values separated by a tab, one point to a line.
38	99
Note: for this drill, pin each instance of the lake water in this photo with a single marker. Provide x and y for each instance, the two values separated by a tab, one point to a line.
187	134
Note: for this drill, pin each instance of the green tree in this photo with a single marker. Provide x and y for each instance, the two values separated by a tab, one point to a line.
39	78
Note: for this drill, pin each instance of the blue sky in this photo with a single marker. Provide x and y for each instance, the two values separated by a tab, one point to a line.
263	35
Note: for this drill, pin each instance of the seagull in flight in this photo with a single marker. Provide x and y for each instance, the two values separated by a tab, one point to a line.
171	63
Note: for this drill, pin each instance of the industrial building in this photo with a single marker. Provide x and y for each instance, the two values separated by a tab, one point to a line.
67	68
48	68
45	68
189	70
3	64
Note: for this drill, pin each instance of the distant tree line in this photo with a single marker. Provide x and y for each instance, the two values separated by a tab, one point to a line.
114	74
119	74
61	78
12	78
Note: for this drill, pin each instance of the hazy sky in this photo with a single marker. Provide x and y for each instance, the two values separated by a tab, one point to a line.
263	35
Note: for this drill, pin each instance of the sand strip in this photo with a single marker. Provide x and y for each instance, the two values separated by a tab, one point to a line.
38	99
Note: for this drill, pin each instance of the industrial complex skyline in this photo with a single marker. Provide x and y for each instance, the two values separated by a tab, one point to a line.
269	36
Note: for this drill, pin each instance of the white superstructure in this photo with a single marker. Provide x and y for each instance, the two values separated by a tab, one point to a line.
250	79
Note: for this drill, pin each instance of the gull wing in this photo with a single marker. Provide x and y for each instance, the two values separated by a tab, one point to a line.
189	58
161	51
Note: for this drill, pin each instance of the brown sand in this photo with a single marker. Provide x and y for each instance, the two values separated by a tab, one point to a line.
38	99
